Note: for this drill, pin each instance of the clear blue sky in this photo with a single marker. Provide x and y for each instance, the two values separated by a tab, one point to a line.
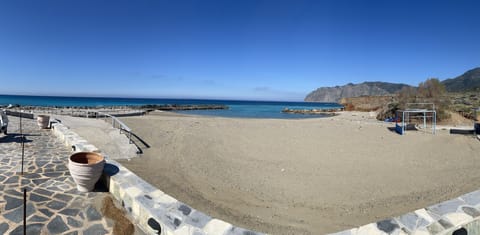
238	49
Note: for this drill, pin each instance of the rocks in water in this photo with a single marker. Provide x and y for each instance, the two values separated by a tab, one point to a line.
177	107
325	112
118	111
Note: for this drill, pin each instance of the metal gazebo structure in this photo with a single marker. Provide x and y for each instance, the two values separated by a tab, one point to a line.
423	112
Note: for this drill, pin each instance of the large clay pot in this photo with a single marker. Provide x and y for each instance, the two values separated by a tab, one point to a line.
43	121
86	168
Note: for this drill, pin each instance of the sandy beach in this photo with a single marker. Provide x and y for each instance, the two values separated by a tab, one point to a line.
310	176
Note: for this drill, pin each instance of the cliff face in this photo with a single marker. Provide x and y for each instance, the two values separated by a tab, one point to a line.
469	81
335	94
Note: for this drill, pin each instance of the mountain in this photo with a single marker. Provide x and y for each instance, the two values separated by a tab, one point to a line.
469	81
334	94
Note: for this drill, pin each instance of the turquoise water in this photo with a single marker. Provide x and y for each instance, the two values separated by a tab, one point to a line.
237	108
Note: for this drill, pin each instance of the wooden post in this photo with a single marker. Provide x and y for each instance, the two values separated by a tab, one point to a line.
24	211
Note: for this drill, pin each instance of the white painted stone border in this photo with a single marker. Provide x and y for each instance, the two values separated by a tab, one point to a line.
443	218
150	207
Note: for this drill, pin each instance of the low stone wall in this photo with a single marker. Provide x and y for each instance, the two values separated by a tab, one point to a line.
457	216
72	139
19	114
153	211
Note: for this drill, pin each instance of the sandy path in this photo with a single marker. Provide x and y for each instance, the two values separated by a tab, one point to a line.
302	176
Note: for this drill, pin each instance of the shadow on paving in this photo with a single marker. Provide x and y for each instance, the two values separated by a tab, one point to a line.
15	138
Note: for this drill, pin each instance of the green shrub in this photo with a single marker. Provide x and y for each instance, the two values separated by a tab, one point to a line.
430	91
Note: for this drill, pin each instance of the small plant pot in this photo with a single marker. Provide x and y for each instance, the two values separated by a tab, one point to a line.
86	169
43	121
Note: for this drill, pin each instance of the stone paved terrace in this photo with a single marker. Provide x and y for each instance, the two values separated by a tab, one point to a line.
54	206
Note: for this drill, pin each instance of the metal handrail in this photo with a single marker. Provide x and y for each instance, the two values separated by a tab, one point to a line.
114	120
121	126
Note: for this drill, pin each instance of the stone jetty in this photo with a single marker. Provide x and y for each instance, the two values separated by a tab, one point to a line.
178	107
329	112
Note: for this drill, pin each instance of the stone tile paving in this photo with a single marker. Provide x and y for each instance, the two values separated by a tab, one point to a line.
54	205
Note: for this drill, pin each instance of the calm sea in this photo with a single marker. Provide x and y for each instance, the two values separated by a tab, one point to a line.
237	108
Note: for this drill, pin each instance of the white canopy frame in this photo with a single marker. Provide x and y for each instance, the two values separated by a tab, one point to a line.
426	110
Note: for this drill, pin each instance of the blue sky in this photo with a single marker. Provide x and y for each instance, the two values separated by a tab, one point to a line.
236	49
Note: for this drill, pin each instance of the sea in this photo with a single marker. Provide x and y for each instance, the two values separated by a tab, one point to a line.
237	108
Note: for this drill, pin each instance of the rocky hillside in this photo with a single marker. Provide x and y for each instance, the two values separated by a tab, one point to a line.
335	94
469	81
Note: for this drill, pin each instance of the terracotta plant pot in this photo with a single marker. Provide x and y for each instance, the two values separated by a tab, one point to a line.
86	168
43	121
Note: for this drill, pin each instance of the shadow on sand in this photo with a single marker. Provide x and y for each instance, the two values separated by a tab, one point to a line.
409	127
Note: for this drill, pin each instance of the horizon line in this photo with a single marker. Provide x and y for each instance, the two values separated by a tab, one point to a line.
153	97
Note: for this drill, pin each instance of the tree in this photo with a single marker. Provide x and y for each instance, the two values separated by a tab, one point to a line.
431	89
406	95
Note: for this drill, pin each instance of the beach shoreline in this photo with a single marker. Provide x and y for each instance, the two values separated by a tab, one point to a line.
306	176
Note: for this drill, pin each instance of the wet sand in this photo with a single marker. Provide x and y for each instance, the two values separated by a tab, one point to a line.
310	176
